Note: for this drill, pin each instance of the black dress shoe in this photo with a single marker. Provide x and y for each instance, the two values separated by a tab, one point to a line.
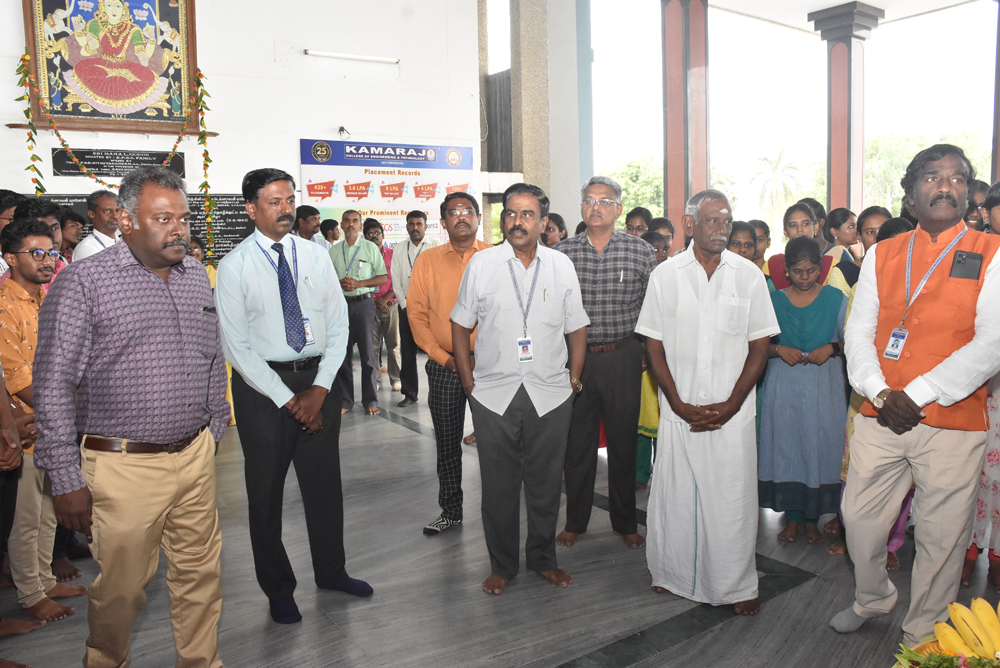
406	402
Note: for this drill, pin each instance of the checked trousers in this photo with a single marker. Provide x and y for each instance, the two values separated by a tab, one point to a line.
447	401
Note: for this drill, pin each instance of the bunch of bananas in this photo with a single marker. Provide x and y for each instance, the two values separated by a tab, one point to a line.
976	632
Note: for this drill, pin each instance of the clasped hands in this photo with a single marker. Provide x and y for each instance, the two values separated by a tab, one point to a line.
792	356
899	413
706	418
307	408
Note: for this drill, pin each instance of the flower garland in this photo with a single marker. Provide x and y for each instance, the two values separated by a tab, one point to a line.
197	105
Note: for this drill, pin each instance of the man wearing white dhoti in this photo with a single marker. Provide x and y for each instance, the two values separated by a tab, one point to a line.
708	320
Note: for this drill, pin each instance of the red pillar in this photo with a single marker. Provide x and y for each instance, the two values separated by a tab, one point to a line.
845	28
685	105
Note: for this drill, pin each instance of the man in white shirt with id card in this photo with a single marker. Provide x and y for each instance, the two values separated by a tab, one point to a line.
526	300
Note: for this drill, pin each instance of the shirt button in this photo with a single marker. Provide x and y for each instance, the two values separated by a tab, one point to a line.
706	338
916	321
906	354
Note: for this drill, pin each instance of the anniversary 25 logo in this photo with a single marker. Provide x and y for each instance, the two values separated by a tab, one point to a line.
376	151
321	151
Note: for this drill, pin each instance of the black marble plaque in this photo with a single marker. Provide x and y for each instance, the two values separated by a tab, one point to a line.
111	163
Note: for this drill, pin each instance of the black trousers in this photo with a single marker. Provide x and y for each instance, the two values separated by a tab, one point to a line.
514	447
272	439
612	388
446	400
408	377
361	319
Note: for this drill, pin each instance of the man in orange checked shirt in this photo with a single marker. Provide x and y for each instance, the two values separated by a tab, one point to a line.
432	294
30	250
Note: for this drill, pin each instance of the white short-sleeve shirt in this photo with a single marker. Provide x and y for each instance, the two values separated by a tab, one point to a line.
706	327
487	297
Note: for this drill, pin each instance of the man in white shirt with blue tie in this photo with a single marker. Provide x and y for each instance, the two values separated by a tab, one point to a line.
284	330
526	300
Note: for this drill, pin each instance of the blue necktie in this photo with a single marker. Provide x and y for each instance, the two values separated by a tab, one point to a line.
295	331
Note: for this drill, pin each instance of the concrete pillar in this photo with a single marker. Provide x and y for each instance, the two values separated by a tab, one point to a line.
564	112
585	89
529	89
845	28
685	105
995	162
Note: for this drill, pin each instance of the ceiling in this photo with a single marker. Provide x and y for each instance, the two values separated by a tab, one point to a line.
792	13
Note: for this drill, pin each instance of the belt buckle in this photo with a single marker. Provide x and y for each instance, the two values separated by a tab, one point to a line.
297	365
175	447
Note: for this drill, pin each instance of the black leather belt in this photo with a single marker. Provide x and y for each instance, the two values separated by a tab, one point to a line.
608	347
360	298
102	444
296	365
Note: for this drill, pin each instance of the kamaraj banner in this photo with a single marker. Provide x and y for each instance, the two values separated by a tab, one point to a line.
383	181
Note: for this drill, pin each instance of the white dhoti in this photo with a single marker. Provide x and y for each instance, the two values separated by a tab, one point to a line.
702	517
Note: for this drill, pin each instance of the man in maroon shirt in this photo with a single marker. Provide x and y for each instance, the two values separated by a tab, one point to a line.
129	355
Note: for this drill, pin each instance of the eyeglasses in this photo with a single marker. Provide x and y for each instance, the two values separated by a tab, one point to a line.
37	254
640	229
604	202
455	213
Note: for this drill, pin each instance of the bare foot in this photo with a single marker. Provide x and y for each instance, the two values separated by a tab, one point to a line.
494	584
64	570
49	611
789	532
659	590
833	526
556	576
633	540
840	547
813	535
345	410
566	538
4	663
383	368
470	439
66	591
372	410
751	607
891	562
12	627
967	568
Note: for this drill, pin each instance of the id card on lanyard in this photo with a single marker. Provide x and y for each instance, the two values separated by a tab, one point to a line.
524	349
897	339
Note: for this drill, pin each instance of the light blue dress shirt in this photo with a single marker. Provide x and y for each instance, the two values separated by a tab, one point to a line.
252	322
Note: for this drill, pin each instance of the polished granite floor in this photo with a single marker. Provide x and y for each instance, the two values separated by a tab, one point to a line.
429	610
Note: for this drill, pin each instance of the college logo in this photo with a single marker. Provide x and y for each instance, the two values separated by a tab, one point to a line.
358	191
426	192
377	151
453	157
321	151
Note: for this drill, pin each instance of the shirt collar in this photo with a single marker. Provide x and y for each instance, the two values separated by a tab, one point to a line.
505	253
266	243
684	259
14	289
943	238
128	258
110	240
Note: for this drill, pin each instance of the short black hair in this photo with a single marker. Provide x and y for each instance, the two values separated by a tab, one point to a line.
977	186
582	227
68	214
819	213
305	211
558	221
652	237
96	195
872	211
893	228
459	195
834	220
761	225
640	212
328	225
931	154
741	226
417	213
254	181
802	207
9	198
371	224
199	242
800	249
660	223
131	186
350	211
904	212
526	189
37	207
992	197
12	237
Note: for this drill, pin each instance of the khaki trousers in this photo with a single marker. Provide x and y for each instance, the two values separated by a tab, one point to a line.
944	464
32	536
143	502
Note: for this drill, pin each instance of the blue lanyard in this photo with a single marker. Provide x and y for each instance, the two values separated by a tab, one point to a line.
295	260
517	291
347	269
419	251
910	298
98	240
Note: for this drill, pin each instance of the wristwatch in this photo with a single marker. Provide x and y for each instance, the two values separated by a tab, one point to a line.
880	398
577	384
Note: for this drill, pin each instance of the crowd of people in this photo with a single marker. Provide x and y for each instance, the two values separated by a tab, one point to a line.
848	375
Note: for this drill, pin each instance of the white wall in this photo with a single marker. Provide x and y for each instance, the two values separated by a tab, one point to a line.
261	110
564	113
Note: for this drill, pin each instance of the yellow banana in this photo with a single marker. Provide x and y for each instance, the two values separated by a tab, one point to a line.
950	640
971	630
988	618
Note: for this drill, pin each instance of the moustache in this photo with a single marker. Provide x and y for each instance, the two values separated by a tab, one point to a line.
517	228
183	243
287	217
945	196
719	238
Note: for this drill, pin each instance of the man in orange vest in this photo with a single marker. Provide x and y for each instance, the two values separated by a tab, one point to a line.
923	338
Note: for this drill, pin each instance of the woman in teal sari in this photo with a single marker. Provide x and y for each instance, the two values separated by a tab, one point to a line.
804	404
